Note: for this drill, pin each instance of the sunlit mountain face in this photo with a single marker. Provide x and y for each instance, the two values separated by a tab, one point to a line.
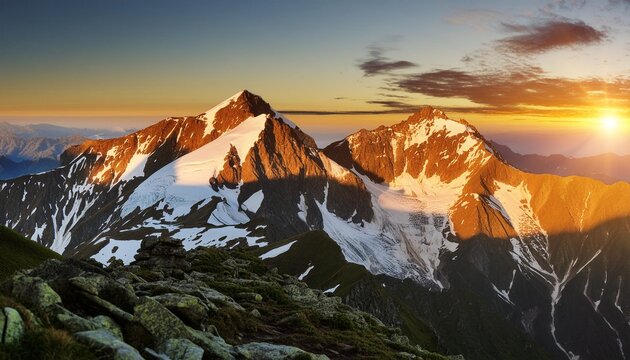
460	173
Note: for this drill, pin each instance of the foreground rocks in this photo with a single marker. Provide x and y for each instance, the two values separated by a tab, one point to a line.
204	304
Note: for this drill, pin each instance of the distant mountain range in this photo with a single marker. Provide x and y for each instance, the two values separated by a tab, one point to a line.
10	169
436	230
29	149
608	168
55	131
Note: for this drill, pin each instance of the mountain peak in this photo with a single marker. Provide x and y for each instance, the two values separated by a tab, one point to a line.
233	111
427	112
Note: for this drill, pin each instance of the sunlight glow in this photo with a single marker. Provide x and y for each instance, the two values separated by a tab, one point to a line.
609	123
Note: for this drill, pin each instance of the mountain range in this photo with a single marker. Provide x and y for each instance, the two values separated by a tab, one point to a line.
30	149
431	226
608	168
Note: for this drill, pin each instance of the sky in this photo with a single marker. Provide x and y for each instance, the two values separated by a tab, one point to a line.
543	76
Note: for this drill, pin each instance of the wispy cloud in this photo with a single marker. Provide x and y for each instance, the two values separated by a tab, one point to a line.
480	19
545	35
377	63
564	5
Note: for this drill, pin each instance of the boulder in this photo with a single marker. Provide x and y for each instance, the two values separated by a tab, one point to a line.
188	307
107	323
265	351
34	292
121	295
249	296
181	349
74	323
159	321
104	341
11	326
214	346
109	308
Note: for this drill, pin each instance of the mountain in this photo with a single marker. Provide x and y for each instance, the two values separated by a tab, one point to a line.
29	149
427	206
50	131
10	169
608	168
21	148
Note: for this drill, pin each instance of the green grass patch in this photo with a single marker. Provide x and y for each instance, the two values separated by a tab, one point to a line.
18	252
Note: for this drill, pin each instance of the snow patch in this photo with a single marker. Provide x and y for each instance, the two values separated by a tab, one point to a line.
306	272
253	202
277	251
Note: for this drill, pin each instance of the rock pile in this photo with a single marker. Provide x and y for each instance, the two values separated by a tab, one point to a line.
163	253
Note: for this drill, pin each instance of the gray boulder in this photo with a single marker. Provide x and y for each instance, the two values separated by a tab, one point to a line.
34	292
11	326
182	349
188	307
105	341
264	351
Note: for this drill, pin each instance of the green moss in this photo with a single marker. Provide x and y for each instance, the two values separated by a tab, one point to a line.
18	252
232	324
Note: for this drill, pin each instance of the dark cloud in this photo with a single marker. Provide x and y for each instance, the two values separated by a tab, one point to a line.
342	112
399	106
546	35
525	86
395	96
377	63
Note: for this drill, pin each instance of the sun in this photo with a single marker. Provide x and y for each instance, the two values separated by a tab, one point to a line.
609	123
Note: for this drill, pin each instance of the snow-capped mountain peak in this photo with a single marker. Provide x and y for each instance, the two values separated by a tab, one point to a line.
231	112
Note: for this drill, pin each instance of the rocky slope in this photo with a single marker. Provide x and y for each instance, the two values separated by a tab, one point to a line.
428	201
450	321
204	304
608	168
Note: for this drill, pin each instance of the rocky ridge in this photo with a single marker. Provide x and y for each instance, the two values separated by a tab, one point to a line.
203	304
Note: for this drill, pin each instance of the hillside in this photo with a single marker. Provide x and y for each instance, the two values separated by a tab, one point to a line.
433	320
18	252
204	304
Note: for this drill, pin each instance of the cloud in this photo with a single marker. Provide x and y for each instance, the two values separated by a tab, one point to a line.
545	35
517	88
476	18
378	64
396	105
565	4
